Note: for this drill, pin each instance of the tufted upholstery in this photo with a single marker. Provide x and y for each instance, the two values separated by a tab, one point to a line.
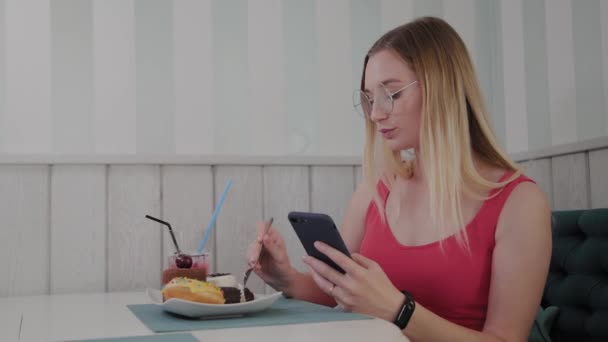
578	276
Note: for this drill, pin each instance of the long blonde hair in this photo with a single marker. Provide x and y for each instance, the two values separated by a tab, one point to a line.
454	124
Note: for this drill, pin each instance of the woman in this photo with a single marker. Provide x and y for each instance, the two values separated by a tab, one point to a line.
452	244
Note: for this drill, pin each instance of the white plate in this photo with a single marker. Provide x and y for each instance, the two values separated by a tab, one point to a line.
201	310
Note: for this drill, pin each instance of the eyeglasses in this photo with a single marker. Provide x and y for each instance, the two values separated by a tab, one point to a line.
383	98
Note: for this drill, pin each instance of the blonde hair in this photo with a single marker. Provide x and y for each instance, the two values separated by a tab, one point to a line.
454	124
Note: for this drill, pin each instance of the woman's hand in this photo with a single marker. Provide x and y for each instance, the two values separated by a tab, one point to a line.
273	266
365	288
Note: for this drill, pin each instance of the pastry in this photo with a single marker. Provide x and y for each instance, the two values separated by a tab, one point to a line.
193	290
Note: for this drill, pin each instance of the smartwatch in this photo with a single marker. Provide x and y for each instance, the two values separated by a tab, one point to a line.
406	311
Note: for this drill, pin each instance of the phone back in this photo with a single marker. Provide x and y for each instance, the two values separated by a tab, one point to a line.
311	227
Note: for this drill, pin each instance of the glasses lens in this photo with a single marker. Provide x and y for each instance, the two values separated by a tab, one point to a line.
361	103
385	101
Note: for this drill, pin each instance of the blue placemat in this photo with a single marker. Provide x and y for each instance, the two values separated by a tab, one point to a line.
152	338
283	311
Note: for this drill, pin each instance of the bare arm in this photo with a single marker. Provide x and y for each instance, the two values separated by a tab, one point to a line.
519	271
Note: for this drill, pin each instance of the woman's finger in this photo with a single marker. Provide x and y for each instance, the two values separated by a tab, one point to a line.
346	263
325	285
325	271
363	261
255	247
264	230
273	247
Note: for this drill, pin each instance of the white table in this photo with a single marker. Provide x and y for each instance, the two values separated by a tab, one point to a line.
99	315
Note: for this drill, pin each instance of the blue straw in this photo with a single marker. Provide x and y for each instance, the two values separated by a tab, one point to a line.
201	246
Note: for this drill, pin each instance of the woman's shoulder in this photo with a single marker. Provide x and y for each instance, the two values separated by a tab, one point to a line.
525	206
509	178
516	186
525	194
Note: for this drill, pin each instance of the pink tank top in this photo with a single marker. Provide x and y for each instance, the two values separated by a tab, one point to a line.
452	282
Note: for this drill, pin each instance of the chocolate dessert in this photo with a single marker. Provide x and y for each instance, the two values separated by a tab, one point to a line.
234	295
230	287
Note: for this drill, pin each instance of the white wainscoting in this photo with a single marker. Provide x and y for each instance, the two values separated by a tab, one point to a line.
80	227
573	180
70	226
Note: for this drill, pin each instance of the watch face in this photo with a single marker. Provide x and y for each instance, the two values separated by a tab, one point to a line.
401	313
406	311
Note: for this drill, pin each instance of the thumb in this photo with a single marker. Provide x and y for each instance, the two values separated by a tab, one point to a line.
363	261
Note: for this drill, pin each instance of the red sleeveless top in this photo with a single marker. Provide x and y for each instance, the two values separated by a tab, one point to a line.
453	283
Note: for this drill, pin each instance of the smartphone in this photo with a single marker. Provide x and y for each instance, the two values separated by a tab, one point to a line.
311	227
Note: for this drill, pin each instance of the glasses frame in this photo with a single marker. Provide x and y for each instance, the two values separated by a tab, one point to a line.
359	93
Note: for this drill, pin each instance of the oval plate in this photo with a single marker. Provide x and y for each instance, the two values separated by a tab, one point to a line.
202	310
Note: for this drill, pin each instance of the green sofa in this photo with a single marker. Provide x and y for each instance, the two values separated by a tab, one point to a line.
578	278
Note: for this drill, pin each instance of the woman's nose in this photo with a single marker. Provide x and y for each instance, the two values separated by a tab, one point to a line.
377	114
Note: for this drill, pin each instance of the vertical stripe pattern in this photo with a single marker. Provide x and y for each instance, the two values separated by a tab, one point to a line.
2	67
231	76
516	123
590	109
489	63
365	29
114	76
266	76
187	77
337	124
27	121
560	72
72	76
193	76
604	18
428	8
301	76
396	12
155	96
537	88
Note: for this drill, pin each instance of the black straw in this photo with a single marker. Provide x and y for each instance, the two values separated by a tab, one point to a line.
20	326
170	230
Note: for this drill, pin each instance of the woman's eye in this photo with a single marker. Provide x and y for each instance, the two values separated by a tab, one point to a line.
396	96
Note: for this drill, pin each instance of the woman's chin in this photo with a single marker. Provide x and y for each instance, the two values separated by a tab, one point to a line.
396	146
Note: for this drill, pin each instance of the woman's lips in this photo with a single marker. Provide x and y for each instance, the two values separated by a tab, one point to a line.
387	132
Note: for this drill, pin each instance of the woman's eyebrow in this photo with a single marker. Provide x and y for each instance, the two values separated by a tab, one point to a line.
386	82
390	80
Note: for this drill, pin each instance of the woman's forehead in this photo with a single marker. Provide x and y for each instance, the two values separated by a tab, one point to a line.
386	66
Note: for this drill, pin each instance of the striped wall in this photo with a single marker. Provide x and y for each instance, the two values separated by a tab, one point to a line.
274	77
70	226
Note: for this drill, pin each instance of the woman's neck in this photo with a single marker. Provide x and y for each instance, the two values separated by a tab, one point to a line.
420	177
